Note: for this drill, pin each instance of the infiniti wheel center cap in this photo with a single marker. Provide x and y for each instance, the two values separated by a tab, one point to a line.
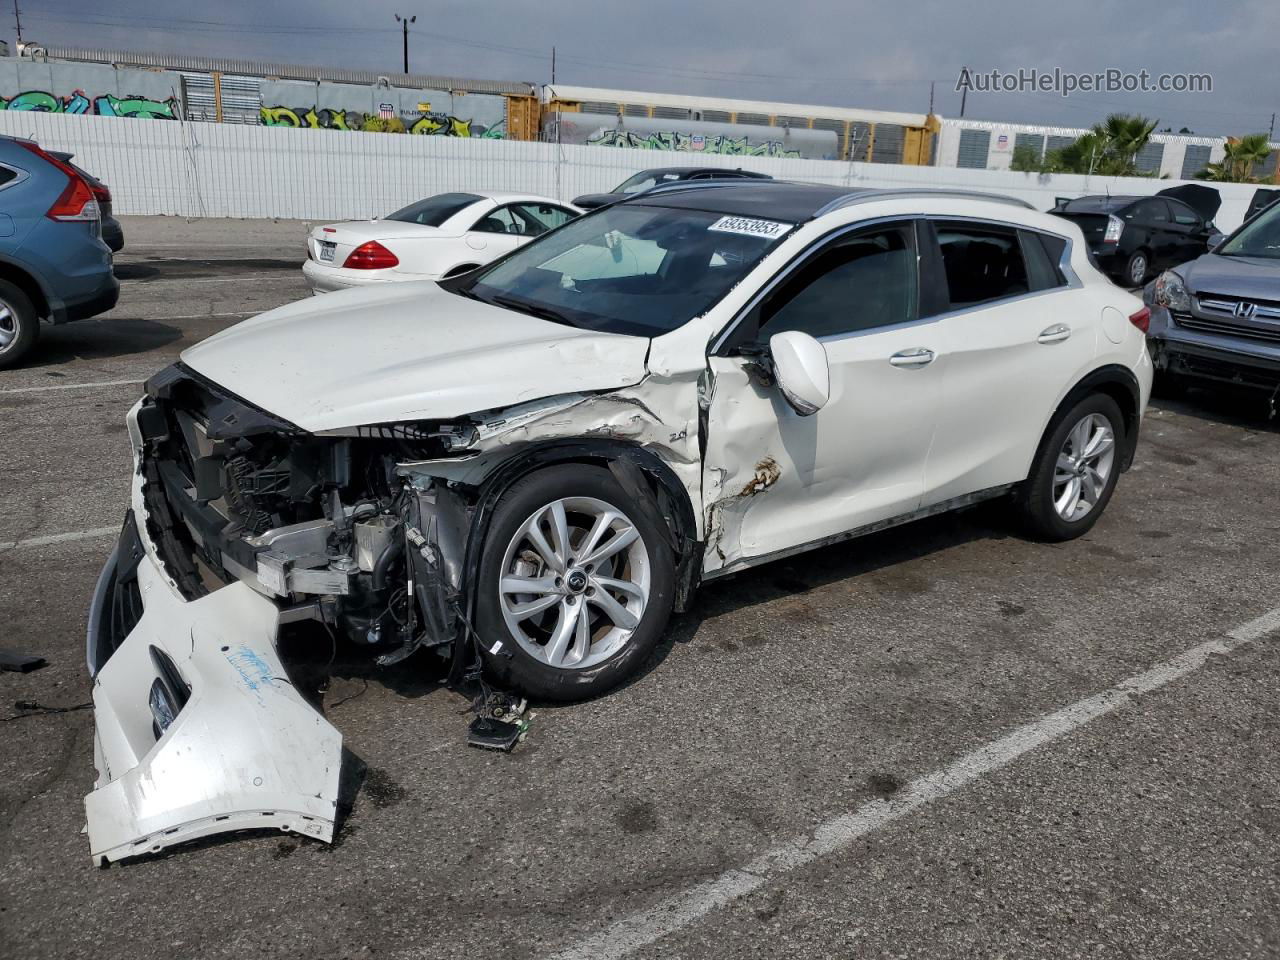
576	581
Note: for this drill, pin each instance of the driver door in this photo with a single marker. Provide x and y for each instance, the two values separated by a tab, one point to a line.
774	480
496	233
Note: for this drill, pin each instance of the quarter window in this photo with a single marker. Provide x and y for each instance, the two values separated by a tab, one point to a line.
982	263
1042	271
858	283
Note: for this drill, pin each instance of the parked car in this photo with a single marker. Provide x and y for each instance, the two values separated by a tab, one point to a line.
648	179
532	465
1262	198
1217	319
437	237
1130	237
53	262
112	232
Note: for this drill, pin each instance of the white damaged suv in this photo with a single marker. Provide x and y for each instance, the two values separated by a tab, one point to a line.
529	467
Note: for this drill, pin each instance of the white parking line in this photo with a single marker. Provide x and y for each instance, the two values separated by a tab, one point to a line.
73	386
62	537
681	910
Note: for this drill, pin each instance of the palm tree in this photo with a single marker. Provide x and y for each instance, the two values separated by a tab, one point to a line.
1111	148
1242	155
1125	136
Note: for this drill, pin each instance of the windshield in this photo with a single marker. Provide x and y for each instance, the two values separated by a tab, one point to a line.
631	268
434	210
1259	237
645	180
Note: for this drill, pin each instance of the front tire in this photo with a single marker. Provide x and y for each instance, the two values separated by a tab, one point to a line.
576	583
1075	471
19	325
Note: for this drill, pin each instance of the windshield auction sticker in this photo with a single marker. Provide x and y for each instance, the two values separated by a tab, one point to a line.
767	229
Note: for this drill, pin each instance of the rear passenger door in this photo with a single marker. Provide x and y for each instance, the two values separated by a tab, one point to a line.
1011	344
1152	218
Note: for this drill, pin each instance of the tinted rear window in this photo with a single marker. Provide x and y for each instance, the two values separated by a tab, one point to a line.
1094	205
434	210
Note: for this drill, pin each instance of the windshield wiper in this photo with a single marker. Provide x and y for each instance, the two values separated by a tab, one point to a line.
533	309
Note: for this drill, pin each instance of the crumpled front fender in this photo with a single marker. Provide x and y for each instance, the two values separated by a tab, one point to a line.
245	751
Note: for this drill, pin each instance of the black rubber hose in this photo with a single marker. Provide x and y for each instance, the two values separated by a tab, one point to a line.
389	555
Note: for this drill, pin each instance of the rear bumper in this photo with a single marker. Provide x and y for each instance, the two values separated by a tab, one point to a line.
100	301
327	279
244	751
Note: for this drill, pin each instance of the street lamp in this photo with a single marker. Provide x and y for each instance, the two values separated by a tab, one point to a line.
404	22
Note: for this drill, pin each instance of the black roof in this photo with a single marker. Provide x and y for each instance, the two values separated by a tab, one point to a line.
683	172
769	199
1096	204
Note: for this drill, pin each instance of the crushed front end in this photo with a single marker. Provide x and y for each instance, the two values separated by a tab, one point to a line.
242	527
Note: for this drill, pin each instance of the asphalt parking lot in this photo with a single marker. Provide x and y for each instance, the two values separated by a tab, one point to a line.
939	741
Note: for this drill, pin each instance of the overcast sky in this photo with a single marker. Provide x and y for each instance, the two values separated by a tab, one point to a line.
839	52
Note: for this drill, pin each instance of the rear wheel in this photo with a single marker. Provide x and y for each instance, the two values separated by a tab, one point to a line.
1136	270
576	584
19	325
1075	471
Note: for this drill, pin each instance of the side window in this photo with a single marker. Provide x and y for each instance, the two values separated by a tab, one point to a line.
982	263
1148	211
1042	272
537	218
1183	214
497	221
857	283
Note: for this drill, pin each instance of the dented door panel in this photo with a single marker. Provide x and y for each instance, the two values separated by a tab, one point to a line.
775	480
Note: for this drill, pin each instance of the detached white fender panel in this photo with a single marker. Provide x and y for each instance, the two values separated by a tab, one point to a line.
246	751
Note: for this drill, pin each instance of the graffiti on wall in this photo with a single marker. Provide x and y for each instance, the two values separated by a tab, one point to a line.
692	143
420	124
104	105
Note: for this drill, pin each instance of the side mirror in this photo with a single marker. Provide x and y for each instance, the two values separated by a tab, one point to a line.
800	366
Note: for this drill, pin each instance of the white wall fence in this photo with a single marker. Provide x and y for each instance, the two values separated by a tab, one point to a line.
229	170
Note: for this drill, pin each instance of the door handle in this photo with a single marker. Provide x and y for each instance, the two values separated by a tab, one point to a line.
918	357
1055	334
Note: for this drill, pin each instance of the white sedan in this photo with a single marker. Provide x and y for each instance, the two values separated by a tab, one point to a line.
441	236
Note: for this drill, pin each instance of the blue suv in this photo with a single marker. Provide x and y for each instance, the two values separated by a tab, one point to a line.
53	262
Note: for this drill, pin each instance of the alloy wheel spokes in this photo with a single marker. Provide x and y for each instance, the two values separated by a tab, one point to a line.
575	582
1083	467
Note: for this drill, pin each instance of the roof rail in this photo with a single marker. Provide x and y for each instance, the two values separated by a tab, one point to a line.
708	182
871	194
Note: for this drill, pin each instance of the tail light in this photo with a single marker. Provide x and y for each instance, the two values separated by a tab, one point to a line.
1115	227
1141	319
77	201
371	256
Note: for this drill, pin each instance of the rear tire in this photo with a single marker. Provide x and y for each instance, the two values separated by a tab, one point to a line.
19	325
583	638
1075	470
1137	269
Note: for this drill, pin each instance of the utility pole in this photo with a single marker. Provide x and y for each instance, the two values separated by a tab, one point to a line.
553	68
404	22
964	94
17	19
930	96
1272	132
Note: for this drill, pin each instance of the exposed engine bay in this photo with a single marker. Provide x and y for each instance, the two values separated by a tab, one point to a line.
243	527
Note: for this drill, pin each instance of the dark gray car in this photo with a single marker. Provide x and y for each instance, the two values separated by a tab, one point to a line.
1217	318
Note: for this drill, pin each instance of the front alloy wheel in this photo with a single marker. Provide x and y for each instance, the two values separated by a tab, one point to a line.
576	584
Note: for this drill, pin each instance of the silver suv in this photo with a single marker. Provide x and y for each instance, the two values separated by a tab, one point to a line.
1217	318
